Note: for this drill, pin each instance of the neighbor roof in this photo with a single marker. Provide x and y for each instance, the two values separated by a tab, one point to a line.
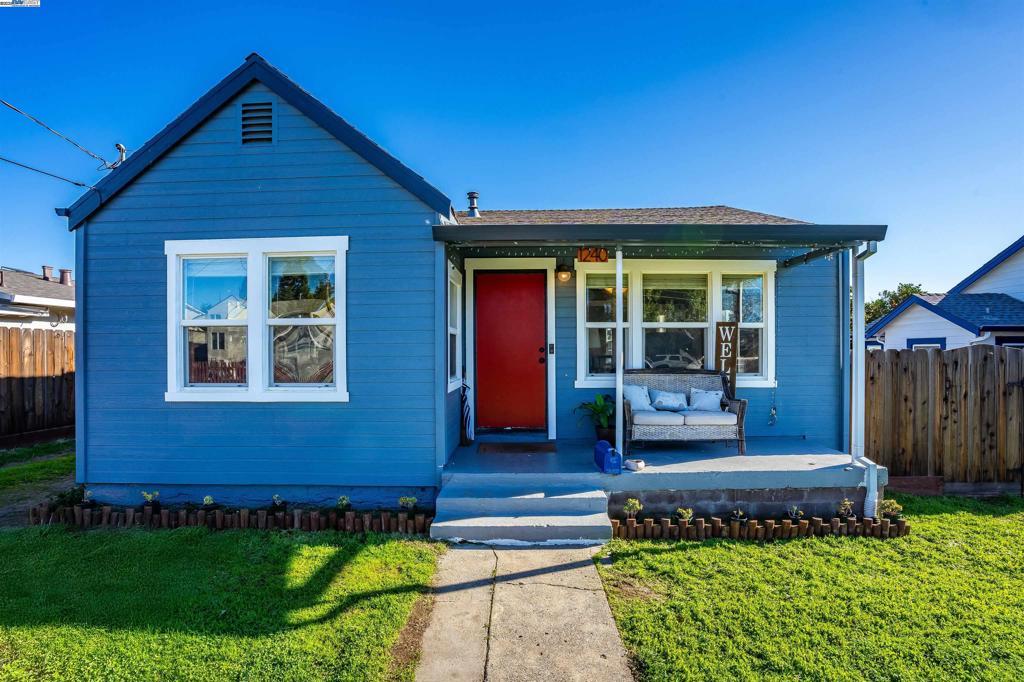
989	266
974	312
21	283
255	68
681	215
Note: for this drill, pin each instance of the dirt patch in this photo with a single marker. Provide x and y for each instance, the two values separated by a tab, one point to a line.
14	503
628	589
405	652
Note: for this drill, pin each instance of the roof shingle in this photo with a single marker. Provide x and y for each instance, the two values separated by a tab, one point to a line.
682	215
985	310
21	283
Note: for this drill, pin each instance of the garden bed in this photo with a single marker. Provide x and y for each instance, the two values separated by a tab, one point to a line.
753	529
151	517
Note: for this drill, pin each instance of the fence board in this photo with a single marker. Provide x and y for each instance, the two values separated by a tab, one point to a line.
957	414
36	380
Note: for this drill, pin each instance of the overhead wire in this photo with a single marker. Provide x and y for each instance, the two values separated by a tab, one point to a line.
106	165
52	175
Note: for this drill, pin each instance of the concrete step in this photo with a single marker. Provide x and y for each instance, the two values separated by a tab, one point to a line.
531	528
468	498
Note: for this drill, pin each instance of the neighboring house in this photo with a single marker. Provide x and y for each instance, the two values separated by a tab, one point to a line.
31	301
276	305
986	307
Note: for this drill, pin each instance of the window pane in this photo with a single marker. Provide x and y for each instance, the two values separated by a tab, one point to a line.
303	354
215	289
676	348
675	298
453	356
302	286
745	290
600	347
453	305
215	355
601	297
750	352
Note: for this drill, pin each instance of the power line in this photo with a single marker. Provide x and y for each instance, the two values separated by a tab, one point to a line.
106	164
52	175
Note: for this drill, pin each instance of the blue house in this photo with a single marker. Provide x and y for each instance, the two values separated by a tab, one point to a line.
274	305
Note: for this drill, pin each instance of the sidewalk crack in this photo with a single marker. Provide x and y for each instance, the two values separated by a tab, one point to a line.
490	615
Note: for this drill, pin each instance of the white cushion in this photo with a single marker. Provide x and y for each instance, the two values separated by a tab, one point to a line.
710	418
666	400
658	419
638	397
706	400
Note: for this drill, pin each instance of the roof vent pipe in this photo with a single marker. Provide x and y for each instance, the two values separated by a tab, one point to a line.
48	273
65	276
473	212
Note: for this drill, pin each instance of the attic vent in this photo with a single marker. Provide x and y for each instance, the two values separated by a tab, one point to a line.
257	122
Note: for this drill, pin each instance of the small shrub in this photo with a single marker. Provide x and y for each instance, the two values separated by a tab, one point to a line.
890	508
277	504
152	497
738	515
69	497
794	513
685	514
845	509
343	503
632	508
407	503
208	501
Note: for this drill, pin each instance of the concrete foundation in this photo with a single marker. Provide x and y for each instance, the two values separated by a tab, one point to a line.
770	503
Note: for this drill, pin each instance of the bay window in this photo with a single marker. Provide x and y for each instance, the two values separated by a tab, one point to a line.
256	320
679	302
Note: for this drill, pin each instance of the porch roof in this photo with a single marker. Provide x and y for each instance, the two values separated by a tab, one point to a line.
786	235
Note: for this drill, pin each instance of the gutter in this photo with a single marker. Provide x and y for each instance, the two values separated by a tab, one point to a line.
870	468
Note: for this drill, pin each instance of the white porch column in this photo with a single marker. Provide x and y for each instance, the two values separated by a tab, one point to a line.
620	356
857	361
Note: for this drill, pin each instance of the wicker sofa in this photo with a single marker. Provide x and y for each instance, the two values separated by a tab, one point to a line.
695	426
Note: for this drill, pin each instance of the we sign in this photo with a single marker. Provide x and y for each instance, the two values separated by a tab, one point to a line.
727	339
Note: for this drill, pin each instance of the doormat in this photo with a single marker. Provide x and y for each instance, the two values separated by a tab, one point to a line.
514	448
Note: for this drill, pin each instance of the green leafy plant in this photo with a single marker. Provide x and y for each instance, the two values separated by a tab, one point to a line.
794	513
738	515
407	503
343	503
845	508
152	497
69	497
890	509
685	514
632	508
600	411
277	503
208	501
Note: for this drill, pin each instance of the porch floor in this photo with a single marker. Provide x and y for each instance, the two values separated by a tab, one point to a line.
770	463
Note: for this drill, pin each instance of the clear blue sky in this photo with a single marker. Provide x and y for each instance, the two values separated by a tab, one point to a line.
905	113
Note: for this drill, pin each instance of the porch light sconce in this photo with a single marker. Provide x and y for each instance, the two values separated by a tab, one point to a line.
563	272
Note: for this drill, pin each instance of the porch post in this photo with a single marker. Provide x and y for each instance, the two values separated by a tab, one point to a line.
857	363
620	356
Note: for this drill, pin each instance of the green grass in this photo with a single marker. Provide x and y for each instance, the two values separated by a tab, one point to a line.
945	603
54	447
32	472
190	604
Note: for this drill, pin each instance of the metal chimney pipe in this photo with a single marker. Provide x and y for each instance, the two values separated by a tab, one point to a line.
48	272
473	212
65	276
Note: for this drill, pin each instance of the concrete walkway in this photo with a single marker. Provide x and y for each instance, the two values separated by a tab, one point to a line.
520	614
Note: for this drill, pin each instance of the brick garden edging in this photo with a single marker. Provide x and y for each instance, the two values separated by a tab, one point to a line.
753	529
106	516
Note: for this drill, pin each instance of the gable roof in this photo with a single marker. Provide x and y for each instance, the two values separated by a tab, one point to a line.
15	283
989	266
682	215
255	68
974	312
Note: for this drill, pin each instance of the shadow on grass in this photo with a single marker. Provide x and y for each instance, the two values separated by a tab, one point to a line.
194	581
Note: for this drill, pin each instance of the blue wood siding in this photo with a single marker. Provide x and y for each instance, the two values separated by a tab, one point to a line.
210	187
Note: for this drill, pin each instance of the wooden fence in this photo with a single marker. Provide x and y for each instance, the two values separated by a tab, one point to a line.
37	380
955	415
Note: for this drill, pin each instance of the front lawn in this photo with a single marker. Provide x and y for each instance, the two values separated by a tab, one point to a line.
945	603
34	471
190	604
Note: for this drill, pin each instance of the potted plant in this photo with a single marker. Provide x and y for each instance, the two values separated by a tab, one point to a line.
794	513
845	510
343	503
685	514
738	515
632	508
601	412
151	500
209	505
277	504
890	509
87	501
407	504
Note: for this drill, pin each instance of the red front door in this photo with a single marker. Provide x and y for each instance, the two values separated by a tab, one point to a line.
511	345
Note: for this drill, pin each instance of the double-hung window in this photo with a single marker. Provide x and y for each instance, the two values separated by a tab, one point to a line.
454	328
676	305
256	320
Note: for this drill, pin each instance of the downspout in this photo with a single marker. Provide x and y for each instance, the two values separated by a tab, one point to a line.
983	338
619	354
857	384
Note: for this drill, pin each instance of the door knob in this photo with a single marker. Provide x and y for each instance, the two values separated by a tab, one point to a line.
541	349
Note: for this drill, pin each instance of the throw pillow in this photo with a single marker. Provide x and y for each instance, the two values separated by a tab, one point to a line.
668	401
638	397
710	401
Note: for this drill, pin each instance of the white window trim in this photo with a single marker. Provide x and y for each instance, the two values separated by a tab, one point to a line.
635	269
256	252
454	277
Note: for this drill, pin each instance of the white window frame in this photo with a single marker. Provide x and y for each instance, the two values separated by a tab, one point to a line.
454	378
258	322
714	269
